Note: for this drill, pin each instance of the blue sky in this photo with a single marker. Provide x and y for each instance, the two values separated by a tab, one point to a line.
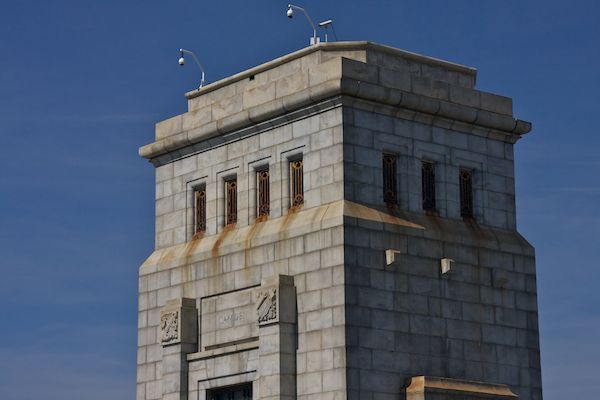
83	82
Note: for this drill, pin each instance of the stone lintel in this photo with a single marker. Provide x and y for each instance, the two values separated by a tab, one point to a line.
420	386
221	351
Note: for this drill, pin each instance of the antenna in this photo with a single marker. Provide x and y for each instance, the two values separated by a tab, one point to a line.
290	13
182	63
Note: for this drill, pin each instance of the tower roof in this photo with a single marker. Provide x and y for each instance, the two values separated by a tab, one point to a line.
314	78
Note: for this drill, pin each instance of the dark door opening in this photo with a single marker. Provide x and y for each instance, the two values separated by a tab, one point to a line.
237	392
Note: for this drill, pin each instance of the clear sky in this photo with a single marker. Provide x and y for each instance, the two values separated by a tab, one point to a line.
82	83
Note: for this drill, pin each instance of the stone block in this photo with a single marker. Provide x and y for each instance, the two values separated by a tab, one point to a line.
169	127
258	95
324	72
430	88
394	79
291	84
425	325
463	330
178	322
359	70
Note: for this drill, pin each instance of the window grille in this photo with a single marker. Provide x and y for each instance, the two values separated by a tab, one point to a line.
428	185
296	184
200	210
263	193
230	201
390	194
466	192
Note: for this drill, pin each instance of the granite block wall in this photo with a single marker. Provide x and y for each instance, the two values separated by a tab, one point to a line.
318	139
368	134
362	327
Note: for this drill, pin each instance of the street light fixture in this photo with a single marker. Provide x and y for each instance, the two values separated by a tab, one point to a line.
182	63
290	13
326	25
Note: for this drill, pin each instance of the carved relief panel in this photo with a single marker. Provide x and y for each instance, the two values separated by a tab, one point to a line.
169	327
267	306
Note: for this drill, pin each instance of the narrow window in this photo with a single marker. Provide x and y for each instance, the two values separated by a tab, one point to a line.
390	194
200	210
263	198
428	185
466	192
296	184
230	201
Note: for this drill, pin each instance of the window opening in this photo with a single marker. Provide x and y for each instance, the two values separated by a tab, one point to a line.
230	201
428	185
390	194
466	192
200	210
296	184
263	199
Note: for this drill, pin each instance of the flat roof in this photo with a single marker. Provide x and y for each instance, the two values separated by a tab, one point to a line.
330	46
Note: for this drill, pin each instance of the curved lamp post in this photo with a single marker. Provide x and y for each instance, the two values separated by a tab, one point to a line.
290	14
182	63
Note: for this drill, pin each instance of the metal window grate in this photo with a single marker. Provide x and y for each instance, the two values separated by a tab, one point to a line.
390	194
263	199
296	184
428	185
230	201
466	192
200	210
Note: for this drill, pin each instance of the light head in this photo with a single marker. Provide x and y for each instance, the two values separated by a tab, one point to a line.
181	59
290	11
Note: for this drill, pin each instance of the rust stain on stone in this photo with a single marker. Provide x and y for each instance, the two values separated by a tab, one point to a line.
186	268
289	217
250	235
219	241
436	223
190	247
478	234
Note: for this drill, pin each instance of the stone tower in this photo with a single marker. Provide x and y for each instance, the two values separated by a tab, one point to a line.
339	223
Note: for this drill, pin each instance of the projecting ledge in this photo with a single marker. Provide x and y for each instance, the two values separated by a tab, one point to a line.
221	351
425	387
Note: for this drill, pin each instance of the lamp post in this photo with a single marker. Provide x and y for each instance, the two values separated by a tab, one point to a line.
290	14
182	63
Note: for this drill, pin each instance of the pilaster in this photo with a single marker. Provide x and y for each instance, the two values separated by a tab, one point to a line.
179	337
276	311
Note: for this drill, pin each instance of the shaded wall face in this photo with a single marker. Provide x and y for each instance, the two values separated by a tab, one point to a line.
368	135
478	322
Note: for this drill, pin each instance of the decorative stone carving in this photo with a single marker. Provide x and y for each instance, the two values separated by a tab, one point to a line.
267	306
169	327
